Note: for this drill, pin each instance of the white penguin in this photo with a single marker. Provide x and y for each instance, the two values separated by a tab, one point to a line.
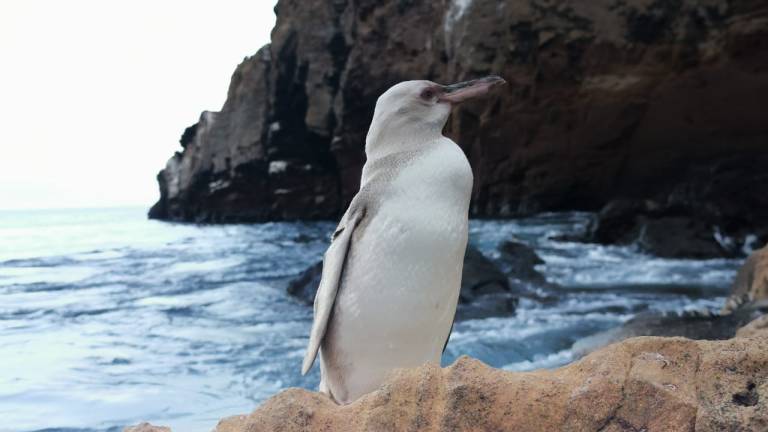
392	274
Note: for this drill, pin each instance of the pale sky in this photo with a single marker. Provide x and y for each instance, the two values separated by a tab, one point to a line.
95	94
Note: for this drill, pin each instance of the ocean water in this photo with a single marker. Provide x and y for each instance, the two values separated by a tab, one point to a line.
108	319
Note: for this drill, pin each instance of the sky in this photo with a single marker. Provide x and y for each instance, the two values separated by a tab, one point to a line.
95	94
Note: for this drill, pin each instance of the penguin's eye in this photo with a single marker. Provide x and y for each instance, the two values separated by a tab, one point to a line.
428	94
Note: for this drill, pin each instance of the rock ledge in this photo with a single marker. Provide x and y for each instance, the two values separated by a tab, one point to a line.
641	384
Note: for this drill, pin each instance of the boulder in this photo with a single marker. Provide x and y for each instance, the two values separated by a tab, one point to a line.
485	290
617	221
641	384
660	230
480	276
519	262
304	287
751	285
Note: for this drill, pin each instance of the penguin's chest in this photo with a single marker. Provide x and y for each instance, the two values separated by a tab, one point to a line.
404	275
411	254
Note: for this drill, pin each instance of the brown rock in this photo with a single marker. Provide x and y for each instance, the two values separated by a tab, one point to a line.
646	383
637	99
146	427
751	285
754	329
232	424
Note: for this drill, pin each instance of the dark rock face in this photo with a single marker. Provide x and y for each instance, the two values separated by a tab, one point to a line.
658	100
485	290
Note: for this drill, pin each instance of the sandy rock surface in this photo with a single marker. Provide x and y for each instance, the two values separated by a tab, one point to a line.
641	384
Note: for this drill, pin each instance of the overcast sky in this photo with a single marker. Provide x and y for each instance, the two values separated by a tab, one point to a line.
94	94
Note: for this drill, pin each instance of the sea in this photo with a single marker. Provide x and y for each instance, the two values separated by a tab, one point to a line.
108	319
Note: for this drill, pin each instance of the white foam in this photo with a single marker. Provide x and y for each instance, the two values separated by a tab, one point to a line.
277	167
204	266
750	244
541	361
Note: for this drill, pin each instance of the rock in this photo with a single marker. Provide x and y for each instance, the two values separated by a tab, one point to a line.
520	261
680	237
617	221
640	99
691	325
232	424
485	290
480	276
751	284
754	329
661	230
748	303
146	427
304	287
646	383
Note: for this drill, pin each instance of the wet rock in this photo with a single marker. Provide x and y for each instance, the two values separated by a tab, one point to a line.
647	383
691	325
520	261
304	287
748	303
485	290
660	230
617	221
641	99
480	277
751	285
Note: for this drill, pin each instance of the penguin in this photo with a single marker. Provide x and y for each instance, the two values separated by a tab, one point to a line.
392	273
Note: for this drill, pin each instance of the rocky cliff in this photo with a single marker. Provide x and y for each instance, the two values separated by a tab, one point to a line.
658	99
642	384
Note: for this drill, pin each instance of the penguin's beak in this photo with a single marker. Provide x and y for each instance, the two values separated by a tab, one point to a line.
459	92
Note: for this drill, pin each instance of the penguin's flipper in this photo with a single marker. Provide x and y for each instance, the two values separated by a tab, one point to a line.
333	268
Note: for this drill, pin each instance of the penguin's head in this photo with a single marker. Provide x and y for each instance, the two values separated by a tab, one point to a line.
414	109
